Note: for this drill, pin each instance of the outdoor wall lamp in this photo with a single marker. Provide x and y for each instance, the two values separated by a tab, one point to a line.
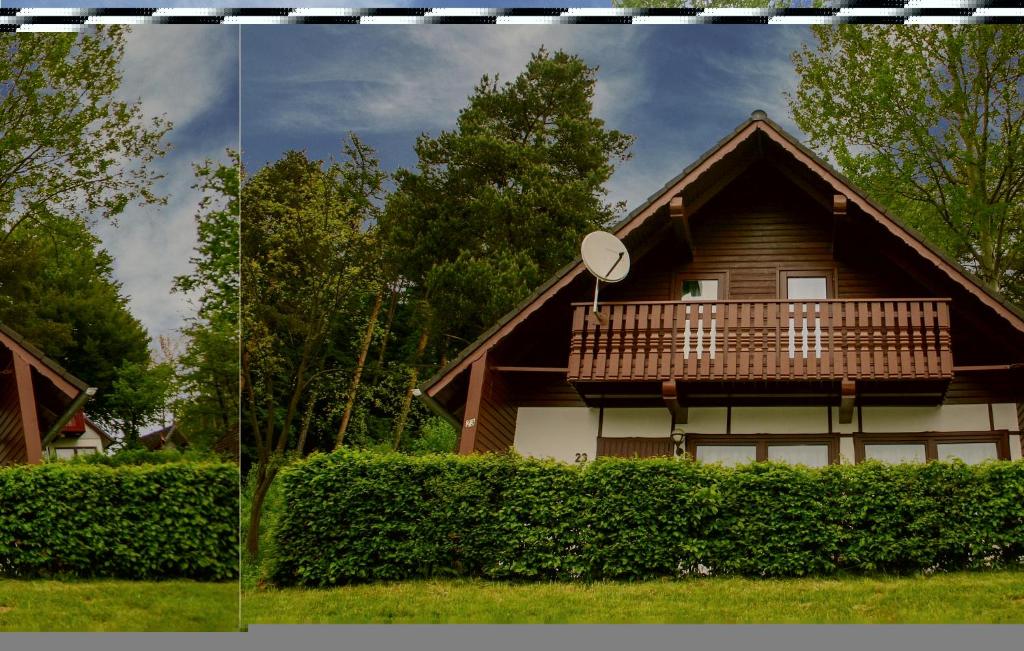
678	439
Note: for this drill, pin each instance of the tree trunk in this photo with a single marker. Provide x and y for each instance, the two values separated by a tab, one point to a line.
403	415
395	290
364	350
300	447
264	478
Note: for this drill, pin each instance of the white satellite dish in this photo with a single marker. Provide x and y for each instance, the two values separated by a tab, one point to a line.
605	256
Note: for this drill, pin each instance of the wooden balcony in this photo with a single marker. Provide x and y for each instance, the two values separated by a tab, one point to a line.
892	339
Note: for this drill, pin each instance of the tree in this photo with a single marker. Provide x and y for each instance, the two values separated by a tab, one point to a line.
140	394
60	294
308	263
68	150
498	204
209	370
928	120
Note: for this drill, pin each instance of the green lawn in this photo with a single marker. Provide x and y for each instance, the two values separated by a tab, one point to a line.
109	605
989	597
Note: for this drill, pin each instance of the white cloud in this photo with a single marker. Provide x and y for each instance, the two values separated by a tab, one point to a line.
757	80
419	78
178	70
181	72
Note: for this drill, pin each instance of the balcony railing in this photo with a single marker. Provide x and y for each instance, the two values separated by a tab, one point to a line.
762	340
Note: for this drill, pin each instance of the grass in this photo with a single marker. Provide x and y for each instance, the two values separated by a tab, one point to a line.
984	597
113	605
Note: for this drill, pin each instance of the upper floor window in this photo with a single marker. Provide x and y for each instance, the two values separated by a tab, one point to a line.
811	285
700	290
807	288
700	286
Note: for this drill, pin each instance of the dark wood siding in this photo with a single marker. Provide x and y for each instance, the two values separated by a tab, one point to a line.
542	390
12	438
496	424
756	228
974	388
635	447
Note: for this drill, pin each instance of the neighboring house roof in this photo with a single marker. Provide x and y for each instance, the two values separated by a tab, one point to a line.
756	126
227	445
158	439
104	436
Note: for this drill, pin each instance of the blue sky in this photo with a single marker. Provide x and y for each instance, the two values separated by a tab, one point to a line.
679	89
303	3
190	74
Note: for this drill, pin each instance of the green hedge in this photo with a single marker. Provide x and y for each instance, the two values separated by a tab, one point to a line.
354	516
135	522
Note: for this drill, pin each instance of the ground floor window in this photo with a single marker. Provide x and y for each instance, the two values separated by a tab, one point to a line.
732	449
969	447
816	450
68	453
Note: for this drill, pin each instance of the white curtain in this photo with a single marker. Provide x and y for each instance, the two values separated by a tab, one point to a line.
808	455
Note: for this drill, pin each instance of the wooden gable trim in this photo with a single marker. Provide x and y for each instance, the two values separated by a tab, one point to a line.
477	377
757	124
27	407
64	381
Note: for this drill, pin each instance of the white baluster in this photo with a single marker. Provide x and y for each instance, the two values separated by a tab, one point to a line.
803	334
792	334
817	336
686	335
700	331
714	331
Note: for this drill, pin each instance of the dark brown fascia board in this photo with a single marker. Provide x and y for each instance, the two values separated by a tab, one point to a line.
43	359
670	189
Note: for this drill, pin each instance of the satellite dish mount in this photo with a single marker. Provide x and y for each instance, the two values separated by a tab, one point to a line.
606	257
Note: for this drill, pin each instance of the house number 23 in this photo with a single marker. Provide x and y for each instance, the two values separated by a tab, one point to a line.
581	456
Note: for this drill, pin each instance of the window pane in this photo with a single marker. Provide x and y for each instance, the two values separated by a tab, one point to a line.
968	452
65	453
807	288
728	455
706	290
808	455
896	452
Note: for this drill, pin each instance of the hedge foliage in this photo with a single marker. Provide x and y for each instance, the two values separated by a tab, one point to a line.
353	516
135	522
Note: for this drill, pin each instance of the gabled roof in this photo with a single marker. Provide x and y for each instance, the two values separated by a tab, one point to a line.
106	438
157	439
756	126
53	371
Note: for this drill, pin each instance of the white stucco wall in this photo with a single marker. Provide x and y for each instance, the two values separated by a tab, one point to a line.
1004	415
89	438
563	432
845	428
556	432
706	420
649	422
779	420
942	418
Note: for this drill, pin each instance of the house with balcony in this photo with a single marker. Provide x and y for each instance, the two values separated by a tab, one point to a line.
41	406
772	311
